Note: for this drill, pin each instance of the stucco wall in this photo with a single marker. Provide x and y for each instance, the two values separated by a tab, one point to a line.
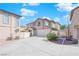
6	29
63	32
24	34
74	21
52	25
13	25
4	32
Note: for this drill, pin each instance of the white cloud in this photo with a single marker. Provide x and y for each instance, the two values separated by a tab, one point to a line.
27	12
31	4
34	4
66	18
22	18
47	18
66	6
57	19
24	4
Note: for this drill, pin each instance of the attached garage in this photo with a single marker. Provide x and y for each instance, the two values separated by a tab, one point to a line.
43	32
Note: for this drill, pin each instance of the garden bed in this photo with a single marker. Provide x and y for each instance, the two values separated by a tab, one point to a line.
66	42
62	40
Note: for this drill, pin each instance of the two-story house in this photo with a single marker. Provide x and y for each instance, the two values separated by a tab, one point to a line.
74	26
9	23
42	26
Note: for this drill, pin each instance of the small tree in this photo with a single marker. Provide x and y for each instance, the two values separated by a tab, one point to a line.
62	27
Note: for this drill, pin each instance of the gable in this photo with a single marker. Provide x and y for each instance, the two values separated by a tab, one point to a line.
72	12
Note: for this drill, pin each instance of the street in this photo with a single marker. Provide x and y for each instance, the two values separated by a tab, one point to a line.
37	46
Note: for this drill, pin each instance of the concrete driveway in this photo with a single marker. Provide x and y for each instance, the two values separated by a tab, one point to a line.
37	46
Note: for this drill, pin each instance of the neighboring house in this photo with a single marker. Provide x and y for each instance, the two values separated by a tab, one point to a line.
9	24
42	26
74	26
64	32
22	29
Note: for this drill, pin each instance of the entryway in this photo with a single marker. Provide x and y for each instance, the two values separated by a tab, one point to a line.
31	33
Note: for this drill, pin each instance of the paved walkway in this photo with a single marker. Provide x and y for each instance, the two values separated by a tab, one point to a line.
36	46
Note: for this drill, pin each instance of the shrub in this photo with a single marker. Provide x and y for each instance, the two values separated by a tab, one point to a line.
52	37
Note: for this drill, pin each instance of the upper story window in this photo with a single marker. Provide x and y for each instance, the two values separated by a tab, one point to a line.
6	19
17	21
39	23
46	24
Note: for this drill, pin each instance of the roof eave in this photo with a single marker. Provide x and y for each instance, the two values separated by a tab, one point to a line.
72	11
10	13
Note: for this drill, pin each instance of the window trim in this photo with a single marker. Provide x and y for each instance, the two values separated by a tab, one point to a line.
6	19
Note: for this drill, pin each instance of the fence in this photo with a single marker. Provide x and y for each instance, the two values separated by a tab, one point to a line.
24	34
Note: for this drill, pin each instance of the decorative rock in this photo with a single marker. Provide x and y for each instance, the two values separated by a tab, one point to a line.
75	41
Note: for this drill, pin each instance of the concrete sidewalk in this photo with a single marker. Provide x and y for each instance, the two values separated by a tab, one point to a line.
38	46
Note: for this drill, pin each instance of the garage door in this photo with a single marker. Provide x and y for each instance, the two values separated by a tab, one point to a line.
43	32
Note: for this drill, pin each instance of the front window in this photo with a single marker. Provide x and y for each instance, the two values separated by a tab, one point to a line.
6	19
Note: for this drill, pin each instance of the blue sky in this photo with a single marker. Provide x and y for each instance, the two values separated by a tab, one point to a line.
59	12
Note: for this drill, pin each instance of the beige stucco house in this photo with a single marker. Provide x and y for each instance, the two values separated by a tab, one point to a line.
74	26
9	23
64	33
42	26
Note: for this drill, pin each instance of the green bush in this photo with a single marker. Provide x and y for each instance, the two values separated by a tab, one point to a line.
52	37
